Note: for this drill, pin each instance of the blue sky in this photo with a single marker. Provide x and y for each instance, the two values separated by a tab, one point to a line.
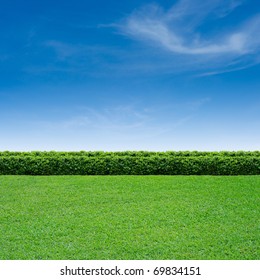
130	75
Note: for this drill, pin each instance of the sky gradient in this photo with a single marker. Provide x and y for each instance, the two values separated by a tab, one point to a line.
130	75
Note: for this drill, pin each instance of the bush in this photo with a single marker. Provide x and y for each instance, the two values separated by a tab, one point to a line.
130	163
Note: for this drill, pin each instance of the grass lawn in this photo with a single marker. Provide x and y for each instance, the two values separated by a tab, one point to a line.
129	217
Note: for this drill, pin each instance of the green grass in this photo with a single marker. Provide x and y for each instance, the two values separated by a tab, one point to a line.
129	217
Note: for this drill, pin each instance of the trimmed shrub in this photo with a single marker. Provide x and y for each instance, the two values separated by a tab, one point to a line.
130	163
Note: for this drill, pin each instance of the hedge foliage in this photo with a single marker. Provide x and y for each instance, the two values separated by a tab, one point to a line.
130	163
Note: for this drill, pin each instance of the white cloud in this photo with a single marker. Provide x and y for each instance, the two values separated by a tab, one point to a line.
198	10
127	121
177	31
118	118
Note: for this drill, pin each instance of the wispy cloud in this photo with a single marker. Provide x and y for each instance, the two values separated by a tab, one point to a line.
129	121
81	59
116	118
178	31
126	126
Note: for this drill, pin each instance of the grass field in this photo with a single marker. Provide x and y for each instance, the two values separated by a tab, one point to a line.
129	217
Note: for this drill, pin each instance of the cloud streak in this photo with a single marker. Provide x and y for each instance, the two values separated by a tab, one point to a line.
179	30
128	120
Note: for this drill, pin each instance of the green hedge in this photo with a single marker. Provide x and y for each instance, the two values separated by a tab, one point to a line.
130	163
131	153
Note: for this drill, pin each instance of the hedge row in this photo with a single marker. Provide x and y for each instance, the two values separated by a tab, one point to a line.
131	153
169	163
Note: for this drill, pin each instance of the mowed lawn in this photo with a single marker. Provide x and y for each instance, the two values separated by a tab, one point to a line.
129	217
